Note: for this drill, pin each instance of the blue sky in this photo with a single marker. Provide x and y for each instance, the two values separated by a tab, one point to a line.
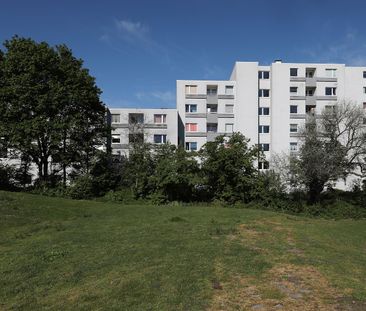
138	49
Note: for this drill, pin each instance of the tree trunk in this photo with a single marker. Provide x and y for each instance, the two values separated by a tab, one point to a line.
315	189
40	171
45	169
63	160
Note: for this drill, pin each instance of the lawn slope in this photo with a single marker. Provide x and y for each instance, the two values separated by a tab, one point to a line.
60	254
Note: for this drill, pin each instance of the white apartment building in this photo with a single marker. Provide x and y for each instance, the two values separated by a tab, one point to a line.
156	126
268	104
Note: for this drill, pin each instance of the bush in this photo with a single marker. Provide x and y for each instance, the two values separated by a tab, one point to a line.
122	196
82	188
7	175
47	190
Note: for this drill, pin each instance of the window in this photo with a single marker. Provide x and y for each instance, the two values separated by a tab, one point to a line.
160	118
191	108
211	108
263	75
364	74
329	109
330	91
136	118
330	73
191	127
212	127
263	165
116	118
191	146
159	139
263	93
293	90
364	90
191	89
364	105
263	111
229	108
264	147
293	72
211	89
293	108
263	128
310	91
229	90
116	139
229	128
136	138
293	147
293	128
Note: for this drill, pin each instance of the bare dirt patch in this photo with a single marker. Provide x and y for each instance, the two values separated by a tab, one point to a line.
285	287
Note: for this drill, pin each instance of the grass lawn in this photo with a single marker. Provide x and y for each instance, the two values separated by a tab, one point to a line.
59	254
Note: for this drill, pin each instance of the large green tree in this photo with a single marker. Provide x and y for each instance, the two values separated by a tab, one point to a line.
176	175
228	168
49	105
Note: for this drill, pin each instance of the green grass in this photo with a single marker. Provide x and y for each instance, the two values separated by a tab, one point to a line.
60	254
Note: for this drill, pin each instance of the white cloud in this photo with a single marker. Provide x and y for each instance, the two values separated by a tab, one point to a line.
349	49
132	30
165	97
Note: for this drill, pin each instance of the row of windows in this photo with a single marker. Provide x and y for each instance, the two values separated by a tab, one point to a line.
310	72
211	89
158	138
329	72
211	127
139	118
329	91
192	108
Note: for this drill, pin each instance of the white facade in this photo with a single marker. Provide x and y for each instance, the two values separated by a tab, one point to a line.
270	102
150	125
206	110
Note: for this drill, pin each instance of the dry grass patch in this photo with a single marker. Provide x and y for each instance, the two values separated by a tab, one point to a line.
284	287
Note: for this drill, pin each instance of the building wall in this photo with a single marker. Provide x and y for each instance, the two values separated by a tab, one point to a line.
149	128
222	118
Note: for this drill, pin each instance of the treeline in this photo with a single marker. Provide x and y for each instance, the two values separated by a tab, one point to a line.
51	117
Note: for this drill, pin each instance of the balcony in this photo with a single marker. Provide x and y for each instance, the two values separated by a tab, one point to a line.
140	126
310	82
311	99
207	115
212	99
196	96
212	118
311	78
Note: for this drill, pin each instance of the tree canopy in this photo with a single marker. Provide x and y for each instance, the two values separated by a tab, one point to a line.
50	108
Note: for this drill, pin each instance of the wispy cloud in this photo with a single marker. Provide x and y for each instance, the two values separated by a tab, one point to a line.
133	31
160	97
349	49
124	33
